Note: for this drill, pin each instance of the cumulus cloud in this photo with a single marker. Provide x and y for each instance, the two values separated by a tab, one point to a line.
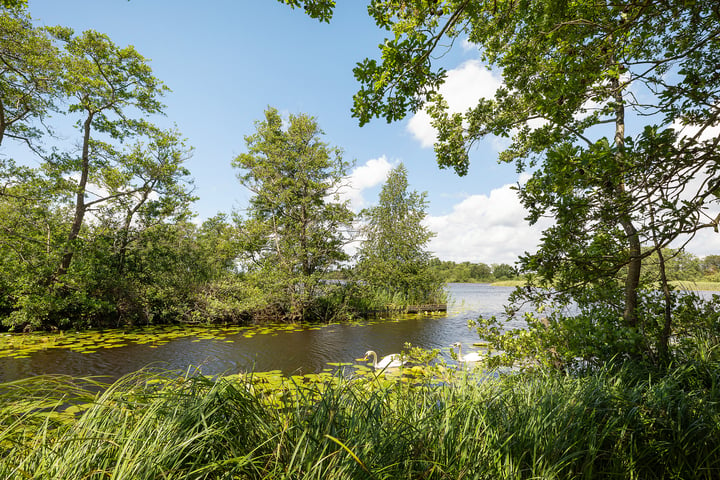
366	176
462	89
706	241
492	229
485	228
468	46
693	130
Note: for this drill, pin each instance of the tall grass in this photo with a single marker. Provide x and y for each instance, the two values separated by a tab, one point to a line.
626	423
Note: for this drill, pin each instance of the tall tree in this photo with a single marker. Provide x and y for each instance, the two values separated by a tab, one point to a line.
33	212
105	84
611	105
296	226
141	186
393	260
86	204
29	74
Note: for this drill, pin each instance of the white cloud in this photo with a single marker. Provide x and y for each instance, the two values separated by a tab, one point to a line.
706	241
462	89
492	229
485	228
371	174
693	130
468	46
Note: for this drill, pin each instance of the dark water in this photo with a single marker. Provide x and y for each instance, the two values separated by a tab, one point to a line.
306	351
300	352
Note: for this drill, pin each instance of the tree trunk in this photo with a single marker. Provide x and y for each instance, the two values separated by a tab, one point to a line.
125	232
80	207
664	340
632	281
2	121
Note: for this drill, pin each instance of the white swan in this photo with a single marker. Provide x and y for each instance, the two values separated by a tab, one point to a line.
389	361
472	357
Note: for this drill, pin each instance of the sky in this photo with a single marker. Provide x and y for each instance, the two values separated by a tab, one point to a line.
226	61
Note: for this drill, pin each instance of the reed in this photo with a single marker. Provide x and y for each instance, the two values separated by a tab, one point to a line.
617	423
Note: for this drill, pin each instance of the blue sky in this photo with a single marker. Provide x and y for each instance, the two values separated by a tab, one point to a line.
227	61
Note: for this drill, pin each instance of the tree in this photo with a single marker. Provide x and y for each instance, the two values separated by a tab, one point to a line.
13	3
296	226
711	265
144	185
71	221
480	271
393	261
610	105
132	193
29	73
32	215
503	271
678	264
105	83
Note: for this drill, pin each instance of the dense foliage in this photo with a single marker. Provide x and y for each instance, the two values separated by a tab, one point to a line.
296	225
469	272
612	107
97	229
393	264
628	423
680	266
78	227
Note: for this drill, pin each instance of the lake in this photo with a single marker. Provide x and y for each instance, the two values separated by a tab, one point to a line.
294	351
307	350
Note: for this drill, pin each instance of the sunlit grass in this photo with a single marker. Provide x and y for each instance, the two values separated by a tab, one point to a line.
509	283
697	286
621	424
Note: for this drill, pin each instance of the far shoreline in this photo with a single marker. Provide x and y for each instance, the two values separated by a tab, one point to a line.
688	285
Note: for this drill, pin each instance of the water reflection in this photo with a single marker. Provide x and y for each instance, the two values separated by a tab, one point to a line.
297	352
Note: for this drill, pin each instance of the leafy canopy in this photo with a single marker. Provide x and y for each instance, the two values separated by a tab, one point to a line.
393	259
296	225
611	106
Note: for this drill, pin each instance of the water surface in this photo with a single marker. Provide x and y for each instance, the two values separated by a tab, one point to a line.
292	352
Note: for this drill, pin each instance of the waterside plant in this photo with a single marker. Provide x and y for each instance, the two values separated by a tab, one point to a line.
623	422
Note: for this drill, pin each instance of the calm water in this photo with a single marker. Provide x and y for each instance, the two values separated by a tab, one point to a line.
300	352
291	352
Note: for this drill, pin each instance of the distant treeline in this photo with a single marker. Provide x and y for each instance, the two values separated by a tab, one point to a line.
679	266
468	272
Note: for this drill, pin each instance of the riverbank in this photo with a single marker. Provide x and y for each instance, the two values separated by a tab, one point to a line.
689	285
147	426
699	286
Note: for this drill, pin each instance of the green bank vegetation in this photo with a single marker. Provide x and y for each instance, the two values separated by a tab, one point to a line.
102	235
625	423
612	107
683	270
470	272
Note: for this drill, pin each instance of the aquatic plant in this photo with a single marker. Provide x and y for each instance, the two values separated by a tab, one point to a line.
626	423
